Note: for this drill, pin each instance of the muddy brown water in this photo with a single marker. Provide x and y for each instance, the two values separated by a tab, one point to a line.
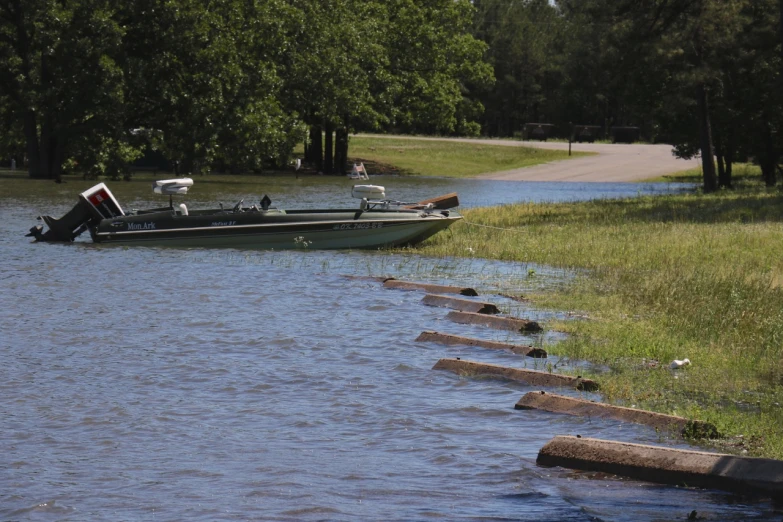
189	384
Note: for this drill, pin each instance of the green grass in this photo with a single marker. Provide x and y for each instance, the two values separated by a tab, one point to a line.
445	158
696	276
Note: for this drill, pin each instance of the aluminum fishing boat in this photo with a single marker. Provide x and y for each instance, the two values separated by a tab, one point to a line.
377	222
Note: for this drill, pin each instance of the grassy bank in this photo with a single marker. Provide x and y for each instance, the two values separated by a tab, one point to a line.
444	158
696	276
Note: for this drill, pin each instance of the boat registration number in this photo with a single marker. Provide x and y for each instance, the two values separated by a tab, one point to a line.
223	223
357	226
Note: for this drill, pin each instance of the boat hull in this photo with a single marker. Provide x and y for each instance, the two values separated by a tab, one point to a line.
368	232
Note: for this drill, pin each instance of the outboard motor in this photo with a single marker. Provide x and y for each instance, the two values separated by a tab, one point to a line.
95	204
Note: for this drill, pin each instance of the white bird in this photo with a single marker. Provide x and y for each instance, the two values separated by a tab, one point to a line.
297	163
677	364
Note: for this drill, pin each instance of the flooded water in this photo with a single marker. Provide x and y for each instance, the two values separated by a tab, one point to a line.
165	384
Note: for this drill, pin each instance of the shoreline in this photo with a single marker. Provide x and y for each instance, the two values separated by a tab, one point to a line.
655	289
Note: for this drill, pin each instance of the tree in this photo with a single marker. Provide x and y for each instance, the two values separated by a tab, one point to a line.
62	82
432	59
391	65
207	80
227	84
526	51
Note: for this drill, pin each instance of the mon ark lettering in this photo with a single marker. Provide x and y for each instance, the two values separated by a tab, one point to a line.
141	226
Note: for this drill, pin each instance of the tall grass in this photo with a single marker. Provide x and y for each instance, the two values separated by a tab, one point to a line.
696	276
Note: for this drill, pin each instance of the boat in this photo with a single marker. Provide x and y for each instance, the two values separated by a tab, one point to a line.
377	222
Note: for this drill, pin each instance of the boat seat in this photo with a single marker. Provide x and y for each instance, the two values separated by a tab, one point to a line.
183	209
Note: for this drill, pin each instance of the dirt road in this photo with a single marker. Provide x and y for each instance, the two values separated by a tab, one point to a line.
613	162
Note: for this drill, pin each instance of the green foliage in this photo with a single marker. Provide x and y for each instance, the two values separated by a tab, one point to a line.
432	60
674	68
61	80
526	50
228	85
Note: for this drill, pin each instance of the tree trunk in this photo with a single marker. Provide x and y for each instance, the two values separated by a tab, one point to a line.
768	160
45	154
721	168
345	148
768	173
729	157
56	158
339	160
341	151
45	149
729	165
724	181
34	169
705	142
316	148
329	149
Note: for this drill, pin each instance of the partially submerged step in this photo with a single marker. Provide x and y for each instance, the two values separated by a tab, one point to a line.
501	323
436	289
463	305
456	340
378	279
532	377
665	465
584	408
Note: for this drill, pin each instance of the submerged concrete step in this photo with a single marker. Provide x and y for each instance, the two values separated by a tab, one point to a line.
665	465
531	377
437	289
378	279
463	305
583	408
501	323
456	340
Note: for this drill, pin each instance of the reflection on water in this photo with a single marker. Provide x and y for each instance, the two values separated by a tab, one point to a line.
168	384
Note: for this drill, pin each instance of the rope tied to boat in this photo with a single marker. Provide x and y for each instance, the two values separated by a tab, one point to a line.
490	226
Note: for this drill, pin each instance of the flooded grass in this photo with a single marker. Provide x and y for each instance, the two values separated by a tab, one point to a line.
696	276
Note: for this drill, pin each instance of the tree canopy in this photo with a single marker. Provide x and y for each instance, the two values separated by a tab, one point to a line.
703	75
227	84
235	84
